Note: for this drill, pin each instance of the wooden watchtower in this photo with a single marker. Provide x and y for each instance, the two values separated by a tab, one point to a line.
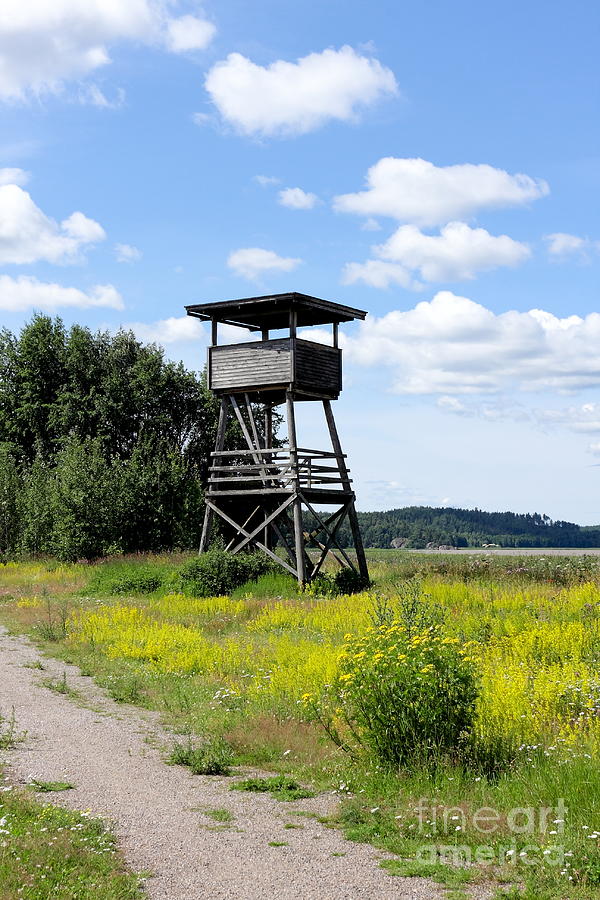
261	490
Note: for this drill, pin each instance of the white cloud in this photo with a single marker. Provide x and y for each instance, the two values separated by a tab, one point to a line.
91	94
125	253
177	329
44	43
370	224
296	198
14	176
252	262
499	409
583	419
201	119
294	98
380	274
452	345
189	33
28	235
417	191
594	448
267	180
184	330
83	230
453	405
389	493
456	254
562	246
25	292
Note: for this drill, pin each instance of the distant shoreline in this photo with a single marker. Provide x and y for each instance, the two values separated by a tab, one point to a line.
510	551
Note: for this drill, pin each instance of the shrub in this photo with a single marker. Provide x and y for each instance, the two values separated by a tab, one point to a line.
407	697
217	572
322	585
132	575
348	581
215	757
407	605
345	581
282	787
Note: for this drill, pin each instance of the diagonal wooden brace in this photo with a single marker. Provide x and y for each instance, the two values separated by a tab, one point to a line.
331	535
330	538
251	535
262	546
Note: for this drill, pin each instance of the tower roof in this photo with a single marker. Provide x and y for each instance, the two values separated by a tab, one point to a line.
273	311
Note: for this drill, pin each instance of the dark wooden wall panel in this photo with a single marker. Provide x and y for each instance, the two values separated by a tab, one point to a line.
318	367
304	365
236	366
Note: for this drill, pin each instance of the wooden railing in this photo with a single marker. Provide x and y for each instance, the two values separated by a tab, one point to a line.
274	469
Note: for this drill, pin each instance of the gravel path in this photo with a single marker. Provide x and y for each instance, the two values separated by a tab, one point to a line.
109	752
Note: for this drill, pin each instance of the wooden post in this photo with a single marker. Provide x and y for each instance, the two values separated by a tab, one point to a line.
252	421
353	518
298	531
244	427
293	322
214	332
219	443
335	334
259	458
268	426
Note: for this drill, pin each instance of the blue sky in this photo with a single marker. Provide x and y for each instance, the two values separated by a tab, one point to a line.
436	164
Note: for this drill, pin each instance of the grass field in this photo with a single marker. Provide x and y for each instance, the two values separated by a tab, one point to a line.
249	670
47	853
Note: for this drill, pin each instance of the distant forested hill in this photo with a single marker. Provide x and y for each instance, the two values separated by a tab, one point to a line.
420	525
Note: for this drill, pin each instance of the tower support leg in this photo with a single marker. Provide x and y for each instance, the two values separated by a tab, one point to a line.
361	559
268	429
297	507
219	444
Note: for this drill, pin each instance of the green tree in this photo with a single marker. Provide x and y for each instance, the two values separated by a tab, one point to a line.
32	370
83	497
110	443
36	507
10	488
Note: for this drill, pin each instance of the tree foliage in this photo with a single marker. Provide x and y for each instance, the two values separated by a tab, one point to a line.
420	525
104	445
